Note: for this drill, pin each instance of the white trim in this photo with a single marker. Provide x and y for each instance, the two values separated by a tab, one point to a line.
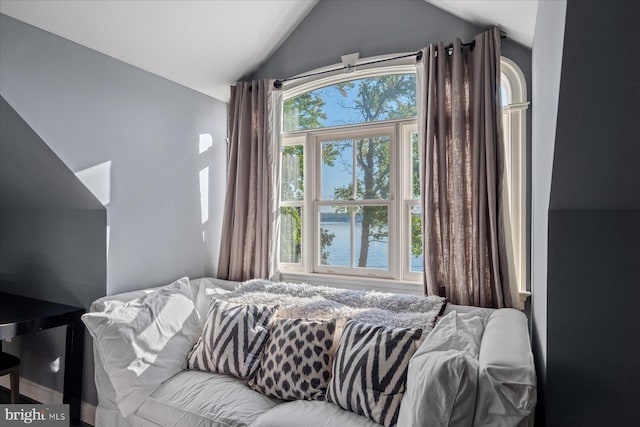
43	394
515	133
354	282
516	79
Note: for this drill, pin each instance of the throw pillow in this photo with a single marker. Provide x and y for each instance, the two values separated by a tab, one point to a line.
296	362
145	341
370	370
232	340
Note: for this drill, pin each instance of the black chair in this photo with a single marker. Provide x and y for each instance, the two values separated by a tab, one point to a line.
11	365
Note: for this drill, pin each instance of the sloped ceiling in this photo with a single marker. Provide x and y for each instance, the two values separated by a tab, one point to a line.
204	45
516	17
207	45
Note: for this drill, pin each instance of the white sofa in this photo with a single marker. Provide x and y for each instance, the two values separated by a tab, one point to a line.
505	393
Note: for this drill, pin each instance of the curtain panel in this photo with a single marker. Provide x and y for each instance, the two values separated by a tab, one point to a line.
248	247
462	158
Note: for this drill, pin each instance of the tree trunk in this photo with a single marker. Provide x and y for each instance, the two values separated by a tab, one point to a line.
364	240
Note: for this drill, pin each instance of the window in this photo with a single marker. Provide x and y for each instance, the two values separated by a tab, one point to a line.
350	189
514	116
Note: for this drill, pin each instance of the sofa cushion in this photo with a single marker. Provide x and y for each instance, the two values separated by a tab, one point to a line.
370	370
143	342
442	389
458	331
194	398
444	372
507	377
311	413
232	339
295	362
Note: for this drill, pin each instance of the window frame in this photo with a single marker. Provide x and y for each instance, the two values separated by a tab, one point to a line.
514	118
403	280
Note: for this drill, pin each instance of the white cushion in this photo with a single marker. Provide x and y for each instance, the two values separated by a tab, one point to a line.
143	342
196	398
442	374
457	331
306	413
507	378
441	390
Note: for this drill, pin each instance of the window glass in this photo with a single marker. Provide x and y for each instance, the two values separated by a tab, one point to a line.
291	234
292	183
364	100
416	260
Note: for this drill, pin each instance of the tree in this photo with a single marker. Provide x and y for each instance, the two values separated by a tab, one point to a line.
378	98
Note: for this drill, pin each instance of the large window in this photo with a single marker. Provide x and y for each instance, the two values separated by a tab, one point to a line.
350	190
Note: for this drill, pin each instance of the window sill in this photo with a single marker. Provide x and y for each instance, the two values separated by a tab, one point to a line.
352	282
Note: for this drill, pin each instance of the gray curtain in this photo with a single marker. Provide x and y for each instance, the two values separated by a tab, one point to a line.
250	218
461	174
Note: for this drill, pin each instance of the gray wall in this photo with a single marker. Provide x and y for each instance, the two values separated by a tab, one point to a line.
52	243
594	222
547	61
372	27
91	109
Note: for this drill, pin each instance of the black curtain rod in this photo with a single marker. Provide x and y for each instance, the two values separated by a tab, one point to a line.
278	83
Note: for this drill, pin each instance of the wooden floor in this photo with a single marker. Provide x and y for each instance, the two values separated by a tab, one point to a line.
5	399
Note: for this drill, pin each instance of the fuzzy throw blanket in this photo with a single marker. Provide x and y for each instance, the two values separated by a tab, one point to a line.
322	302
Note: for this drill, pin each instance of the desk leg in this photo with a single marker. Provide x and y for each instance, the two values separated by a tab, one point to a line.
73	370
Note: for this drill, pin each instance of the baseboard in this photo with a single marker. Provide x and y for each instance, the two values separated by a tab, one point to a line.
41	393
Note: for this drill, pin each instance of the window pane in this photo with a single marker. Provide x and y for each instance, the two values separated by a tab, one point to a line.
504	93
416	257
291	235
372	237
292	185
415	166
357	101
372	168
337	170
335	236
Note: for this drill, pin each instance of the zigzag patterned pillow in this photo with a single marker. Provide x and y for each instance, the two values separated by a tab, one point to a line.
232	339
296	363
370	370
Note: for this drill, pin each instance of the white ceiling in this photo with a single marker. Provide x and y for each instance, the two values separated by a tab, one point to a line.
516	17
204	45
207	45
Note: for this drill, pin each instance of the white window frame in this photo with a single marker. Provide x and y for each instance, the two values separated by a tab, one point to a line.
401	280
514	121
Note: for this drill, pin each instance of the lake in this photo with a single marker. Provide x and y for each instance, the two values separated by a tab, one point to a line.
340	249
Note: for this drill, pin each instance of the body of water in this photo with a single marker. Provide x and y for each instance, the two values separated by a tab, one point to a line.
340	249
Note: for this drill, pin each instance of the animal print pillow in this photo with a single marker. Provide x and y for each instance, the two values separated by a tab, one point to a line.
370	370
232	339
296	363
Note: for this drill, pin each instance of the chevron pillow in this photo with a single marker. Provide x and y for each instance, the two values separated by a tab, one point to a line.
370	370
232	339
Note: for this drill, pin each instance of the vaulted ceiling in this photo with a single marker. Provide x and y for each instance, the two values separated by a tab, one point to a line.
207	45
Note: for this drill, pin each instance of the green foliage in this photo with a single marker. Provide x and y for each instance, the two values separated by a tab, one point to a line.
292	187
291	248
303	112
416	235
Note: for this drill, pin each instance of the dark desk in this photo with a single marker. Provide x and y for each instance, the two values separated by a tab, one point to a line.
21	315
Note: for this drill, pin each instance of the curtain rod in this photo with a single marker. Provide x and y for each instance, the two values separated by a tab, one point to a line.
278	83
